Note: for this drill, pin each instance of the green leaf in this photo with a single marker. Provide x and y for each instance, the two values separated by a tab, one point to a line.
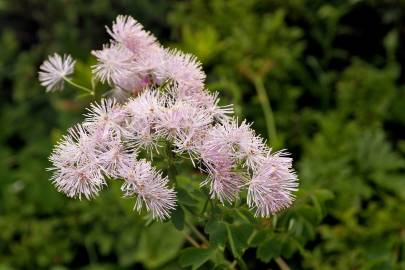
158	244
178	218
217	232
185	198
195	257
269	249
258	238
324	194
238	237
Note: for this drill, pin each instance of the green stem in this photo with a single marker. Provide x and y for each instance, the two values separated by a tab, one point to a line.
266	106
81	87
171	169
164	84
205	206
90	252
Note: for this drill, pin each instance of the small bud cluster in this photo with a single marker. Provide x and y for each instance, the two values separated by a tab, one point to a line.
164	100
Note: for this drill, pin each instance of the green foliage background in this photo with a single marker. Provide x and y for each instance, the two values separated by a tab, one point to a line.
333	73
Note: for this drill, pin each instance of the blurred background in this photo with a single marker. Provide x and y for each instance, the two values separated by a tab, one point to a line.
330	72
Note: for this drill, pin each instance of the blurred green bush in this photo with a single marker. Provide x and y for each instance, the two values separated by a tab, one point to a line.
332	74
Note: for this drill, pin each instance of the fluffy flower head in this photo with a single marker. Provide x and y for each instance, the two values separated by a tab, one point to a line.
127	31
271	187
115	63
150	188
182	68
54	70
76	171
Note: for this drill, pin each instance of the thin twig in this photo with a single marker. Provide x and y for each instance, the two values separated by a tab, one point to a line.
197	232
282	264
191	240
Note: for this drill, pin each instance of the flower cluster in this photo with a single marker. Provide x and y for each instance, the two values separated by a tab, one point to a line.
163	102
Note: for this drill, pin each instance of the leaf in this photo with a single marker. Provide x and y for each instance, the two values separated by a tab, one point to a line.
258	238
178	218
185	198
269	249
158	244
195	257
217	232
247	215
238	237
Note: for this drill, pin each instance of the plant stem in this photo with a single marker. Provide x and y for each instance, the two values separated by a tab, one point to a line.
197	233
205	206
191	240
266	106
171	169
81	87
282	264
90	252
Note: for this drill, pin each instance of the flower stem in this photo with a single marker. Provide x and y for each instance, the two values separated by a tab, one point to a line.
205	205
266	106
171	169
81	87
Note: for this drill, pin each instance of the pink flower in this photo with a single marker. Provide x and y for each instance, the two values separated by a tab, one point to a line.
113	157
105	117
79	180
148	104
115	63
54	71
182	119
143	113
150	60
163	102
204	100
182	68
79	145
127	31
150	188
134	83
76	171
240	141
271	187
118	94
225	183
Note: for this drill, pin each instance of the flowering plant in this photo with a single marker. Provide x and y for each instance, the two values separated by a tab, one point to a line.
159	112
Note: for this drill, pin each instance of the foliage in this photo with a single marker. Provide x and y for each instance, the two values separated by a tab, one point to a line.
337	98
